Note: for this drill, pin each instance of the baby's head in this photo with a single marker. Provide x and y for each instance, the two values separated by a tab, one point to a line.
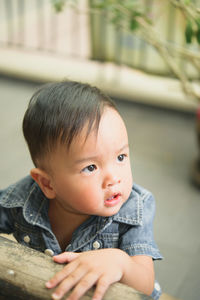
57	113
79	145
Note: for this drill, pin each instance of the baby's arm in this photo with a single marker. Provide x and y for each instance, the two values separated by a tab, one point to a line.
101	268
139	274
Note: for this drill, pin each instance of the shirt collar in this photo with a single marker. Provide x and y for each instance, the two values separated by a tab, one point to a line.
132	210
27	194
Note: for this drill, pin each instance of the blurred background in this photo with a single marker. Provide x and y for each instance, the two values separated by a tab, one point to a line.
145	55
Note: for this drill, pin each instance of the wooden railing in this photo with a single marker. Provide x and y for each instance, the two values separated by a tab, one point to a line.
24	271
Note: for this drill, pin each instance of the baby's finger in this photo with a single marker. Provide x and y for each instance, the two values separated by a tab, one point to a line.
69	283
102	286
65	257
83	286
61	275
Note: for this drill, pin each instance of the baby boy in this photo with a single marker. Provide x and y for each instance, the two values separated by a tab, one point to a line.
79	203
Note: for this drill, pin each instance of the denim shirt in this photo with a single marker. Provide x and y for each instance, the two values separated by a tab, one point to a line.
24	212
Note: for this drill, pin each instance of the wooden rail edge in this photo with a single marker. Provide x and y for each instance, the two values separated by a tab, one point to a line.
24	271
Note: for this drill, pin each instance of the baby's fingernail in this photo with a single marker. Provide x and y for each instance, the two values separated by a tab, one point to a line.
48	284
55	296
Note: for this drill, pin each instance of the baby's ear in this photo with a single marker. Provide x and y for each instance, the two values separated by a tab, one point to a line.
44	182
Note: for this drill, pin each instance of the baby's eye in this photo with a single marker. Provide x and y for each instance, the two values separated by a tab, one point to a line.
121	157
89	169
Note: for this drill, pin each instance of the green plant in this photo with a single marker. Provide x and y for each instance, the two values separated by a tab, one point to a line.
135	16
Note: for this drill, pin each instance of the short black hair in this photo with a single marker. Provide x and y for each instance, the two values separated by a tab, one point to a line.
58	111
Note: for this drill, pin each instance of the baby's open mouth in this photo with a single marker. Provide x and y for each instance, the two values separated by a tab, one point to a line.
113	200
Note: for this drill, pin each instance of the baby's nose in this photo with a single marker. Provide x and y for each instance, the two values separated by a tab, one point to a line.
111	179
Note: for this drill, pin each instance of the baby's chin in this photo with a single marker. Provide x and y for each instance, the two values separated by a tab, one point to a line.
111	211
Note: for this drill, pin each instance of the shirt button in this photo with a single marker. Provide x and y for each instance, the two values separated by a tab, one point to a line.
27	239
49	252
157	286
96	245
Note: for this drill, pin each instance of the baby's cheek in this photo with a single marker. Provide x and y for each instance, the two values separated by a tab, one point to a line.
89	198
128	183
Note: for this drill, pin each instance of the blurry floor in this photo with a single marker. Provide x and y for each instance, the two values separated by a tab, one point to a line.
163	147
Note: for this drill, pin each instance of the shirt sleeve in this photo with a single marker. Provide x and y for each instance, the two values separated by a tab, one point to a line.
139	239
6	220
6	224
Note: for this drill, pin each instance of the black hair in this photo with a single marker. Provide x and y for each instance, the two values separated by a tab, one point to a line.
58	111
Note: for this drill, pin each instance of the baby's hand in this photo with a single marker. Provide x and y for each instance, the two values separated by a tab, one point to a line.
99	267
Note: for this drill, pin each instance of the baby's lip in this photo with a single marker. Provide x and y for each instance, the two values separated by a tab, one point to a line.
113	200
113	196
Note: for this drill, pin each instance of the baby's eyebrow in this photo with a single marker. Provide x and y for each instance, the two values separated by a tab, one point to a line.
95	157
85	159
123	148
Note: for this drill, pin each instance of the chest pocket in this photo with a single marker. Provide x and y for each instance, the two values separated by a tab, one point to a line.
29	237
102	241
109	240
105	240
27	234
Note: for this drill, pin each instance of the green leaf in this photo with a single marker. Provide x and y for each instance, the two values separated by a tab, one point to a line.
99	4
189	32
133	24
116	20
198	31
58	5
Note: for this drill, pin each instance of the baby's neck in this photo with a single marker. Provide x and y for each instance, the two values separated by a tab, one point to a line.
64	223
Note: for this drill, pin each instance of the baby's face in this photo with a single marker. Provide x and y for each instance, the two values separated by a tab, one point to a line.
94	176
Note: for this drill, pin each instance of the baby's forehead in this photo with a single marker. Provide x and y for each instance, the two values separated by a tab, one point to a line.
110	126
90	134
79	138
